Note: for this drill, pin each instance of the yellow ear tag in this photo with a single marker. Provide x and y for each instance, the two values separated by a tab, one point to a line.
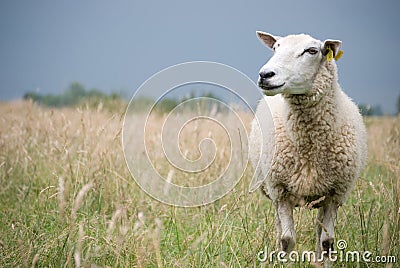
329	56
339	55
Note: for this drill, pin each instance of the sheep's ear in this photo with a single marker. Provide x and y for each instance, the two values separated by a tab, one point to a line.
267	39
333	45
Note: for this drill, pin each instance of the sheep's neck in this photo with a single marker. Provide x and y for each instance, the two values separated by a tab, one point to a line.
310	119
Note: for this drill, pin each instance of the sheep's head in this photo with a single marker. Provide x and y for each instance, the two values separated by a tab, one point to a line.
295	63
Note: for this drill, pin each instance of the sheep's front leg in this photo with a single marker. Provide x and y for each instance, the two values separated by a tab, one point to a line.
320	219
328	225
285	217
278	228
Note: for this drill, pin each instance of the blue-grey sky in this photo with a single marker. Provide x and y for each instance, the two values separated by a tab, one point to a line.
116	45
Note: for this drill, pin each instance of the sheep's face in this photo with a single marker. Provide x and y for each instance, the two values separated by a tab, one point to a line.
296	61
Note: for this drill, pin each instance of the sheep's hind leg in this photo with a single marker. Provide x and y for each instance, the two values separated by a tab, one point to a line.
328	225
288	234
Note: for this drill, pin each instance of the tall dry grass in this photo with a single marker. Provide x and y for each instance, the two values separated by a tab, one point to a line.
67	199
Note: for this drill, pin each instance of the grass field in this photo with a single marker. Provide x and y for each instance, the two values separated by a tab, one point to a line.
67	199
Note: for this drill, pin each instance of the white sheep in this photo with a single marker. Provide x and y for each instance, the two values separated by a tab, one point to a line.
317	135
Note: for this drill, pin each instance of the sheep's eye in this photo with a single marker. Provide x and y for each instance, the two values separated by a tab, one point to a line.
312	50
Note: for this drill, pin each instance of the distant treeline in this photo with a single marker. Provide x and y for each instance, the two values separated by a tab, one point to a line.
75	94
368	110
398	105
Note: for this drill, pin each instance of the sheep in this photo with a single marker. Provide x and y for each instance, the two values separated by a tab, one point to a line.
316	133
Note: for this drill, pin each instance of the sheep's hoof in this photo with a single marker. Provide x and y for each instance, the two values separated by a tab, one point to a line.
287	244
327	244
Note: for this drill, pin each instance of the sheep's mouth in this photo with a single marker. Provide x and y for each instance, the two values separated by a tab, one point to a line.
270	87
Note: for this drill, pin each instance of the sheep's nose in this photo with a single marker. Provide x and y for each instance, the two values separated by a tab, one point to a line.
266	75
